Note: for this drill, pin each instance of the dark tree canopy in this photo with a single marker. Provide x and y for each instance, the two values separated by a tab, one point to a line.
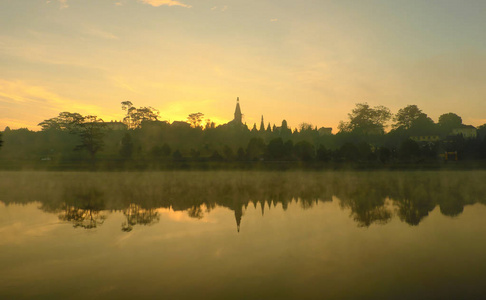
406	116
423	125
305	126
147	142
66	121
195	119
366	120
136	116
209	124
449	121
91	132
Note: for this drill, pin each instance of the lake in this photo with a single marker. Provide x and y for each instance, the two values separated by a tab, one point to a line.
243	235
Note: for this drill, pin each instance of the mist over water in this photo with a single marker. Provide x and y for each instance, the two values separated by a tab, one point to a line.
241	235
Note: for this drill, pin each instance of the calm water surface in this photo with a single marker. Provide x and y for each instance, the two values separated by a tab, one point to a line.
243	235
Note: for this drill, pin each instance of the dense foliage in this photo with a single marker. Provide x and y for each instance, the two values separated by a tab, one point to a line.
142	141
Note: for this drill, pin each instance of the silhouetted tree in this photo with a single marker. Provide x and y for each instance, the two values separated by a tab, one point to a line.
366	120
91	132
135	116
305	127
66	121
423	125
406	116
449	121
209	124
195	119
363	131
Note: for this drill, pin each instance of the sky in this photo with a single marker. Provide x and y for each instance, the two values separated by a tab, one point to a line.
299	60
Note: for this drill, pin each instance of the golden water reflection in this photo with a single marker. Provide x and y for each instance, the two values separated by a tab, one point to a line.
372	197
182	235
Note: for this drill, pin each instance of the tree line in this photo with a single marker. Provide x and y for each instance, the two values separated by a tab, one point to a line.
141	138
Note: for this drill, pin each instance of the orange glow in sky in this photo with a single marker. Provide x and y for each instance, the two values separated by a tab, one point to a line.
304	61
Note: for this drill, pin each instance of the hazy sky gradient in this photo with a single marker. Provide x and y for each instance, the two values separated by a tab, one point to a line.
303	61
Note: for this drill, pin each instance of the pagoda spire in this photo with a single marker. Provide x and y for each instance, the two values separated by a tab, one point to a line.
262	125
238	114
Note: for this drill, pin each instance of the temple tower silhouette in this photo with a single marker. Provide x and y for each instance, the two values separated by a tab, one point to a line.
238	115
262	125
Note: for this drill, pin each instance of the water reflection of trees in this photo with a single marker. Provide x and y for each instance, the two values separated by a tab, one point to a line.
83	207
80	217
367	205
195	212
136	215
413	194
371	197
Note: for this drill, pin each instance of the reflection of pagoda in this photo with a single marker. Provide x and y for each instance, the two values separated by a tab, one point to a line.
238	215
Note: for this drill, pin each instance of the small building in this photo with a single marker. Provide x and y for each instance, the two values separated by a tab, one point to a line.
467	131
425	138
325	131
373	131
